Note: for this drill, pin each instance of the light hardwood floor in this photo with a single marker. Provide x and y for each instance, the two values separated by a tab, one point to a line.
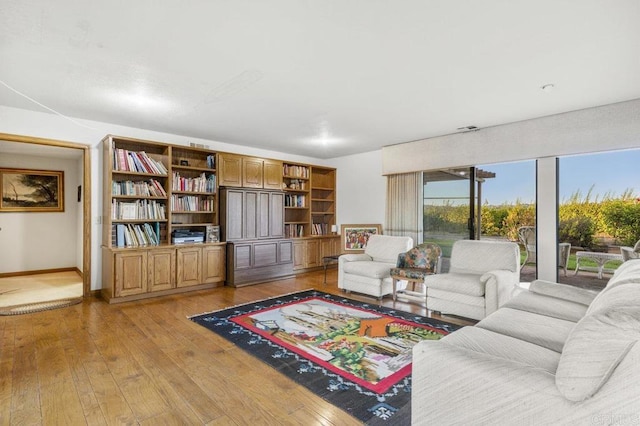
145	363
23	289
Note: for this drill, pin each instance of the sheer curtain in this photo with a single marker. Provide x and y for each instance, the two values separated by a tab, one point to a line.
403	211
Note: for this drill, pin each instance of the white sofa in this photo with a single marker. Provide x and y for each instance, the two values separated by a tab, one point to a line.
554	354
368	272
481	277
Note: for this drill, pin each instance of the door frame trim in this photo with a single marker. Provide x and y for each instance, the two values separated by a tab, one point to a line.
86	202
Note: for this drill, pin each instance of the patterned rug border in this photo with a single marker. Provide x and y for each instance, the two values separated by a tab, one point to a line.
390	407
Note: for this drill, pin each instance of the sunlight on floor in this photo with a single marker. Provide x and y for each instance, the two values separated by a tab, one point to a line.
39	288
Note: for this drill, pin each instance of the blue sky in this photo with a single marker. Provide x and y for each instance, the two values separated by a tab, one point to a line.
612	172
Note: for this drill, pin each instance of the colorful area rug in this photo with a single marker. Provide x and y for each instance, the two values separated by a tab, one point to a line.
355	355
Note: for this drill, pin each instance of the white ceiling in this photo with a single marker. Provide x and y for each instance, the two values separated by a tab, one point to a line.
317	78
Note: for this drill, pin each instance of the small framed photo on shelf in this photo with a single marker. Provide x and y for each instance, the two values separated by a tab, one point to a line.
184	162
212	234
354	237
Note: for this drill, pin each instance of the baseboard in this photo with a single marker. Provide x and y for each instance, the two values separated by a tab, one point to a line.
39	271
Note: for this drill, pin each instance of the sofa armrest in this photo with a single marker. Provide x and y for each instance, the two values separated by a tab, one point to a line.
469	387
360	257
346	258
563	291
498	288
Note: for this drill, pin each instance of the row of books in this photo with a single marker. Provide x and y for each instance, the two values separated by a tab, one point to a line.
202	183
140	162
296	171
139	209
293	200
151	188
192	203
293	231
320	229
137	235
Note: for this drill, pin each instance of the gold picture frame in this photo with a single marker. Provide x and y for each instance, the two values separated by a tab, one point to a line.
354	237
25	190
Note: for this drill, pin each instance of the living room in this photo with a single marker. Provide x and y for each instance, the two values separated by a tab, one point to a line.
405	110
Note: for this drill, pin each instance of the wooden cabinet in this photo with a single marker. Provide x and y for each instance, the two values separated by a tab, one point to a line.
130	272
230	170
251	262
189	266
251	214
272	175
239	171
136	273
308	252
161	269
213	264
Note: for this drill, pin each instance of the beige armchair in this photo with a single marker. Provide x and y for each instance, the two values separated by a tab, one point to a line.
482	276
629	253
368	272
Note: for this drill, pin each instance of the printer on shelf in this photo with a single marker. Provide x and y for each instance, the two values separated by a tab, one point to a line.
186	236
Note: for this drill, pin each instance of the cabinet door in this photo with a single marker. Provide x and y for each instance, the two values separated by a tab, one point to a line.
285	252
213	264
252	172
251	215
276	215
233	214
272	174
298	254
189	266
130	273
328	247
312	255
229	170
264	215
161	269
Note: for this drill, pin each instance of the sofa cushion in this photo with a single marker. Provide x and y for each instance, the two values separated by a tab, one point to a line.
548	332
594	349
505	347
477	256
548	306
456	297
456	283
368	269
618	295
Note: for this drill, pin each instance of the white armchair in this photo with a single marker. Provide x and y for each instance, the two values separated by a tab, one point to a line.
482	276
368	272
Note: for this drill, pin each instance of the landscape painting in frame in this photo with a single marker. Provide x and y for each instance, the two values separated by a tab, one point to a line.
355	237
31	190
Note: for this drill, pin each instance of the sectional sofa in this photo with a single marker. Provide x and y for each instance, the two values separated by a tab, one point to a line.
553	354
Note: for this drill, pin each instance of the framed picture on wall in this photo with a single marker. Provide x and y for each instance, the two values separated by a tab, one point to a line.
355	237
26	190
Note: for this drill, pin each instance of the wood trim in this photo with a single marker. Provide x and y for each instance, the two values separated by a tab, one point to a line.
37	272
86	210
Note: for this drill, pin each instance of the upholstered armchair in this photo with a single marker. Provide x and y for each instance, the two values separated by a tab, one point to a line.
414	265
482	276
629	253
368	272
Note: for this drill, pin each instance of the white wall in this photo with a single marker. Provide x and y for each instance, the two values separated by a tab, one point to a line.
90	133
27	239
361	189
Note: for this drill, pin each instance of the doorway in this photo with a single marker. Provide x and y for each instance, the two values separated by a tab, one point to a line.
25	145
